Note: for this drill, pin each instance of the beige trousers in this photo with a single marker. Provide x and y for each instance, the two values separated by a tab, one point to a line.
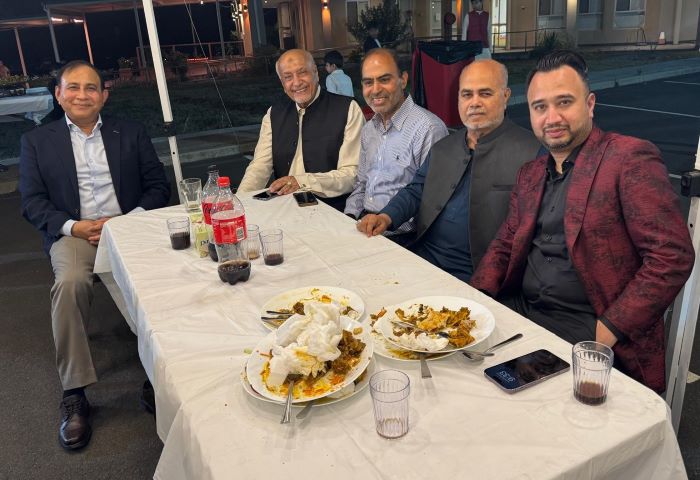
72	260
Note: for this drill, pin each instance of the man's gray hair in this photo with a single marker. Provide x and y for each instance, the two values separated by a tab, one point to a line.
310	62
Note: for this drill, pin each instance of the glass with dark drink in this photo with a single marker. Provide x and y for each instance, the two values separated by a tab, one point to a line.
234	271
272	246
592	363
179	230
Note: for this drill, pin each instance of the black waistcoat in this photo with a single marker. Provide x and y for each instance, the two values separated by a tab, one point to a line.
322	134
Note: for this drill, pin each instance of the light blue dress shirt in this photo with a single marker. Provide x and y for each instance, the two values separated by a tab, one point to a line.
338	82
95	188
390	157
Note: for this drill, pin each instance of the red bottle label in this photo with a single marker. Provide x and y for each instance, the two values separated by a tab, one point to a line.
206	209
227	228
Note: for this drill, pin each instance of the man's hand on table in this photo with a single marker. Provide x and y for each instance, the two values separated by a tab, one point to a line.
89	230
604	335
284	185
372	224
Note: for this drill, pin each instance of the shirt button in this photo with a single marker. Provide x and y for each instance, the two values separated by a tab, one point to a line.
453	186
548	237
548	259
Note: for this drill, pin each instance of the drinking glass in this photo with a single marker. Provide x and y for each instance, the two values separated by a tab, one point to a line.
272	247
191	190
390	390
179	230
253	241
592	362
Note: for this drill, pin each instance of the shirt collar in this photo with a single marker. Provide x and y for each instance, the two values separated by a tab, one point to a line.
318	92
398	118
566	166
72	126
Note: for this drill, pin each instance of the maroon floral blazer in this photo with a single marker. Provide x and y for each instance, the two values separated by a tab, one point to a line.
625	235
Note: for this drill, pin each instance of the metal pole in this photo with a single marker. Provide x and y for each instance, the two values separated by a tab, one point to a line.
677	22
87	39
221	31
138	31
53	36
21	53
162	84
685	321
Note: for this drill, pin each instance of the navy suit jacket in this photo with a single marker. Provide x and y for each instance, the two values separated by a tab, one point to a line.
48	181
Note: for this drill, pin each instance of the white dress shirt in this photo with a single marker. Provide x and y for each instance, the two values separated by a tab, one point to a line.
325	184
338	82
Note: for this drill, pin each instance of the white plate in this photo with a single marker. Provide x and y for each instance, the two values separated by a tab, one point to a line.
384	348
359	386
290	297
485	321
260	356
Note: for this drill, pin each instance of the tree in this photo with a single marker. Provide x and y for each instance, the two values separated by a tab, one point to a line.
387	18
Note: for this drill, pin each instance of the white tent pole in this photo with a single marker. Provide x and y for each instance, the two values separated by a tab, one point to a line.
685	321
53	35
87	39
142	52
21	53
150	18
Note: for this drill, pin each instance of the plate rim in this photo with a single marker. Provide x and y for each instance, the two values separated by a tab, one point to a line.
425	300
272	328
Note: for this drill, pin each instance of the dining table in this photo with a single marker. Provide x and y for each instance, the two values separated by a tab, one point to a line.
34	105
195	334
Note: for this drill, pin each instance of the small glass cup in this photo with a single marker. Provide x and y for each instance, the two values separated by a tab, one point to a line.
390	390
253	241
592	362
272	247
191	190
179	230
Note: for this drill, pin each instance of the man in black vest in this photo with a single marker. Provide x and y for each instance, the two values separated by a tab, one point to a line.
459	196
310	142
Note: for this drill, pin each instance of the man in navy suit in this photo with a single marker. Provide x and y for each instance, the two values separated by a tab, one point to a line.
75	174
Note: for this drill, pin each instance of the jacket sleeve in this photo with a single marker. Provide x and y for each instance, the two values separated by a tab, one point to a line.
37	207
155	187
656	227
406	202
493	267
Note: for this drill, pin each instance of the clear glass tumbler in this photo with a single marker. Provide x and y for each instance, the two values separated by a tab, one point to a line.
592	363
390	390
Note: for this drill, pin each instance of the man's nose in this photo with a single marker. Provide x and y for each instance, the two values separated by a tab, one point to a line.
552	116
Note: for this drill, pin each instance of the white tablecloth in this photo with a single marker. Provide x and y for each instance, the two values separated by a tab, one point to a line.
35	105
193	331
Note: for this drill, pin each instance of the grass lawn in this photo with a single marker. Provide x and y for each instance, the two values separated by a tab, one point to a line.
196	104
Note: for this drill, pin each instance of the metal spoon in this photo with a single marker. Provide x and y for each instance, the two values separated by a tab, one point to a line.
424	369
476	356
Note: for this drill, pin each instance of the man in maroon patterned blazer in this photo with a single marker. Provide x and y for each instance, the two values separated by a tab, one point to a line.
594	245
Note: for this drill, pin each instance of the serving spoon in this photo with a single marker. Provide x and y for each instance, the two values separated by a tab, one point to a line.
476	356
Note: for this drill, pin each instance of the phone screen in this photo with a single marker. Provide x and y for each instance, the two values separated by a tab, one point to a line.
266	195
527	370
304	199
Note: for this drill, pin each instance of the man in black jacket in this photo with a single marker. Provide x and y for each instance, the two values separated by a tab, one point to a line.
310	141
459	196
75	174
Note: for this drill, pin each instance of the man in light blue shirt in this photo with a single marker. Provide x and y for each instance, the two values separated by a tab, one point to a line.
394	143
337	81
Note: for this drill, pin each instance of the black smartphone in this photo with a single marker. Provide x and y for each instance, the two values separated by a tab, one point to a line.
527	370
304	199
266	195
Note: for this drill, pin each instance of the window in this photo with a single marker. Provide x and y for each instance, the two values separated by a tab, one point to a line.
629	13
354	8
590	15
550	14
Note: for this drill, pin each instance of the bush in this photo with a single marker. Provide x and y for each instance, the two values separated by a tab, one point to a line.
549	42
387	18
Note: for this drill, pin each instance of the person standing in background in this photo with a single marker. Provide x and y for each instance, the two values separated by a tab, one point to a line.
476	27
337	81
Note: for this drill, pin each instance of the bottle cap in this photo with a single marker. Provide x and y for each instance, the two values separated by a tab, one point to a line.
224	182
212	168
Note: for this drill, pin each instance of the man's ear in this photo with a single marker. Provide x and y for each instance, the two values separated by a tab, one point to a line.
404	80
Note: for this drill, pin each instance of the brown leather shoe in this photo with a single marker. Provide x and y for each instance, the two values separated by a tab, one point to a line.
75	428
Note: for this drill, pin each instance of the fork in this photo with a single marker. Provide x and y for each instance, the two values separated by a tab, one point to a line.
288	406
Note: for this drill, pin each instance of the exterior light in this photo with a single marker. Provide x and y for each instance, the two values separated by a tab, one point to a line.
325	4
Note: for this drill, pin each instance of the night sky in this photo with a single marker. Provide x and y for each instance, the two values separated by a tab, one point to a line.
112	34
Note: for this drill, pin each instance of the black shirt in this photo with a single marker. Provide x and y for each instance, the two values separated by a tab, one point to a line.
552	294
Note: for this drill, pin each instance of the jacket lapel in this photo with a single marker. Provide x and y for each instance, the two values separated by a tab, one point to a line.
64	149
533	191
111	138
583	174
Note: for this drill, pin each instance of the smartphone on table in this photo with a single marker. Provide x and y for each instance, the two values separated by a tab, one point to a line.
526	370
266	195
305	199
